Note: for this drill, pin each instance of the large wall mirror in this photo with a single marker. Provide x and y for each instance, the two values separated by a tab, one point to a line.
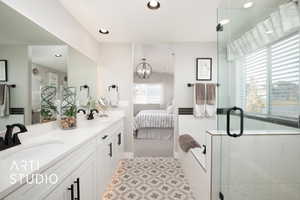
37	65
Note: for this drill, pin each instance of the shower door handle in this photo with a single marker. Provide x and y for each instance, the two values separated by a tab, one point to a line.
229	111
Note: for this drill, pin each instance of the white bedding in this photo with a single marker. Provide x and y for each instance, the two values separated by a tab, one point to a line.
153	119
155	134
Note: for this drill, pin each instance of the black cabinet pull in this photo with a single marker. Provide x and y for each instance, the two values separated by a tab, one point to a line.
110	150
204	149
71	189
241	122
77	182
119	139
104	137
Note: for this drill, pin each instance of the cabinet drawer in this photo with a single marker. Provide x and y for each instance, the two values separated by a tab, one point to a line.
62	170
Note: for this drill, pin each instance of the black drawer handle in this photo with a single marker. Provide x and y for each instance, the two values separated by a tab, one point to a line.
71	189
119	139
104	137
204	149
77	182
110	150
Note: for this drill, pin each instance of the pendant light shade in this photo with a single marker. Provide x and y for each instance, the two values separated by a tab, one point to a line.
144	69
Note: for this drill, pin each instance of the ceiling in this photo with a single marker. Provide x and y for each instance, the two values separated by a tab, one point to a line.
260	4
159	56
132	21
175	21
242	20
45	56
16	29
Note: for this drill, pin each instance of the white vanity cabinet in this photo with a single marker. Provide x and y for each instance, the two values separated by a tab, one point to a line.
83	174
119	143
104	163
62	192
109	152
80	185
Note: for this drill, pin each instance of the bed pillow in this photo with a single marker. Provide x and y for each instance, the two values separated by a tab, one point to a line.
170	109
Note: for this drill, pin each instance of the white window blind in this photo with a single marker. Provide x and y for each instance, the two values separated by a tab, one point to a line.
148	93
255	99
285	91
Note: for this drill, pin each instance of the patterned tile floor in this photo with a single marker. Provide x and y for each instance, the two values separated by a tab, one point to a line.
149	179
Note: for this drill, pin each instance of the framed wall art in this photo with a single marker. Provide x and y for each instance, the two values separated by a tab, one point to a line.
203	69
3	70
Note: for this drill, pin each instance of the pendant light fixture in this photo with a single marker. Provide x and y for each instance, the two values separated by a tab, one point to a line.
144	69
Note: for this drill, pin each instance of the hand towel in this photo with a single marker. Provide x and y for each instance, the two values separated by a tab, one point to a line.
4	95
2	90
210	100
187	142
199	100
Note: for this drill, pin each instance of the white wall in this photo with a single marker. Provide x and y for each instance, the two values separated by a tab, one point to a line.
19	73
54	18
185	68
82	71
117	68
185	72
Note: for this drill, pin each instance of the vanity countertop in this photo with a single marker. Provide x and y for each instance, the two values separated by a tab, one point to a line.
61	144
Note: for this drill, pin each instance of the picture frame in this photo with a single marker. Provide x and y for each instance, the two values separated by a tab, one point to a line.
3	70
203	69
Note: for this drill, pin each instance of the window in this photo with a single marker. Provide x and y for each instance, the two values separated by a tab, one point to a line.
285	91
147	93
256	82
272	78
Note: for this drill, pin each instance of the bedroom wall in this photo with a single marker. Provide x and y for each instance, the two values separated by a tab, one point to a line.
167	80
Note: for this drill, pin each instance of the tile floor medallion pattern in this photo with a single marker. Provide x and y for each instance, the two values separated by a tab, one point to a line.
149	179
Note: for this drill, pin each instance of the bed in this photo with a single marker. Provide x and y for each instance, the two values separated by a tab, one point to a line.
154	124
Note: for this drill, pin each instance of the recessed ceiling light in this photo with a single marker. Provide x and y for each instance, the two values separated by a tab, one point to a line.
248	4
58	55
103	31
153	5
224	21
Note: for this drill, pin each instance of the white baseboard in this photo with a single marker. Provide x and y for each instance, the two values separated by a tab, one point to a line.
128	155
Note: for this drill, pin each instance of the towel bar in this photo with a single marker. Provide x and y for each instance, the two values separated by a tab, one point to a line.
12	86
192	84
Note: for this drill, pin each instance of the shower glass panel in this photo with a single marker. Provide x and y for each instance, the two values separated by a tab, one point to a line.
258	104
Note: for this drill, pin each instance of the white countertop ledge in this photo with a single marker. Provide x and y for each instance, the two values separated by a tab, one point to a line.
59	144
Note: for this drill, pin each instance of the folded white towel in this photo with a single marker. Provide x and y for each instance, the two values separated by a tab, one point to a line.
199	100
210	111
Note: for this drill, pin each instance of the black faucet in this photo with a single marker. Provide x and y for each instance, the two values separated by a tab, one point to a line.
81	110
11	139
91	115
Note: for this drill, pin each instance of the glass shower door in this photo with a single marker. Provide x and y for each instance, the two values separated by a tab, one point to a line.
258	154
